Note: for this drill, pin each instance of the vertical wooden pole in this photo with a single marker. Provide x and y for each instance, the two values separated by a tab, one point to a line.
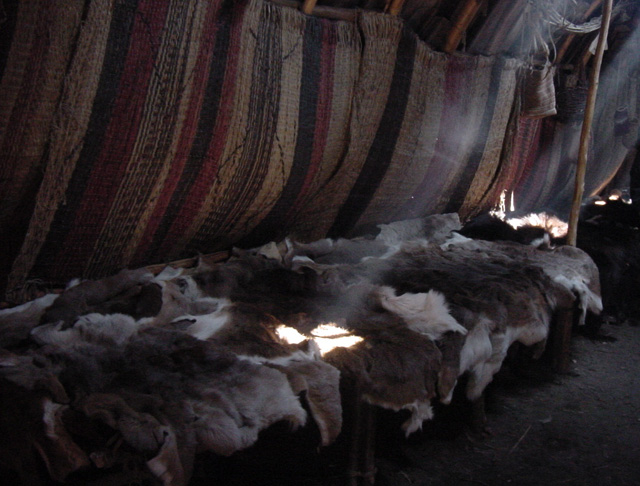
368	460
361	469
594	78
561	340
355	444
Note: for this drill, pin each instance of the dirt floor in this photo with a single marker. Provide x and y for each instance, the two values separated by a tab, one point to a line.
578	428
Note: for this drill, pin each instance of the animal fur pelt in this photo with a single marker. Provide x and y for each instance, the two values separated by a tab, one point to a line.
16	323
252	334
105	296
499	291
163	368
167	394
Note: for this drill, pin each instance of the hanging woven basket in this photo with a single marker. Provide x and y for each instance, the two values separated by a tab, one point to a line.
539	92
572	99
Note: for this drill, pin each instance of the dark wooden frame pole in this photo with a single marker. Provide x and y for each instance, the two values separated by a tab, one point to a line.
569	39
394	7
308	6
464	15
594	78
564	317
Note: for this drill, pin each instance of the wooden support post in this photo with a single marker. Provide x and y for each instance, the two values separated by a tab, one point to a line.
463	18
361	467
561	340
368	462
479	415
581	169
353	468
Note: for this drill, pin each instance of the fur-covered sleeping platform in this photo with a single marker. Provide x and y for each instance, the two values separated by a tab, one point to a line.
156	369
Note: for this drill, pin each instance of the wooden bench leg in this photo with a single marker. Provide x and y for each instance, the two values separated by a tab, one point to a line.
562	340
362	468
479	415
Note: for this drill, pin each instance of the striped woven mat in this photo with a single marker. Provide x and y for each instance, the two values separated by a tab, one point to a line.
169	128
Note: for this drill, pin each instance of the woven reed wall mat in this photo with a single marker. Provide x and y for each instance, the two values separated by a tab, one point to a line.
170	128
31	79
405	155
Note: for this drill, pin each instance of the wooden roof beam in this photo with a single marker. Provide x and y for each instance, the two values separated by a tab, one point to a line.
569	38
394	7
333	13
308	6
462	20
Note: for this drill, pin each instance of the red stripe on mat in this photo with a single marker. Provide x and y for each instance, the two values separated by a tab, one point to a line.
202	184
120	135
189	129
323	114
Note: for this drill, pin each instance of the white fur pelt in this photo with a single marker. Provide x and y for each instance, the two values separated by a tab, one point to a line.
426	313
112	329
17	322
204	326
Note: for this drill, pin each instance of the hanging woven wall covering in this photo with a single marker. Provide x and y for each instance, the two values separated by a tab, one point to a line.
180	126
41	34
164	128
546	150
426	133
